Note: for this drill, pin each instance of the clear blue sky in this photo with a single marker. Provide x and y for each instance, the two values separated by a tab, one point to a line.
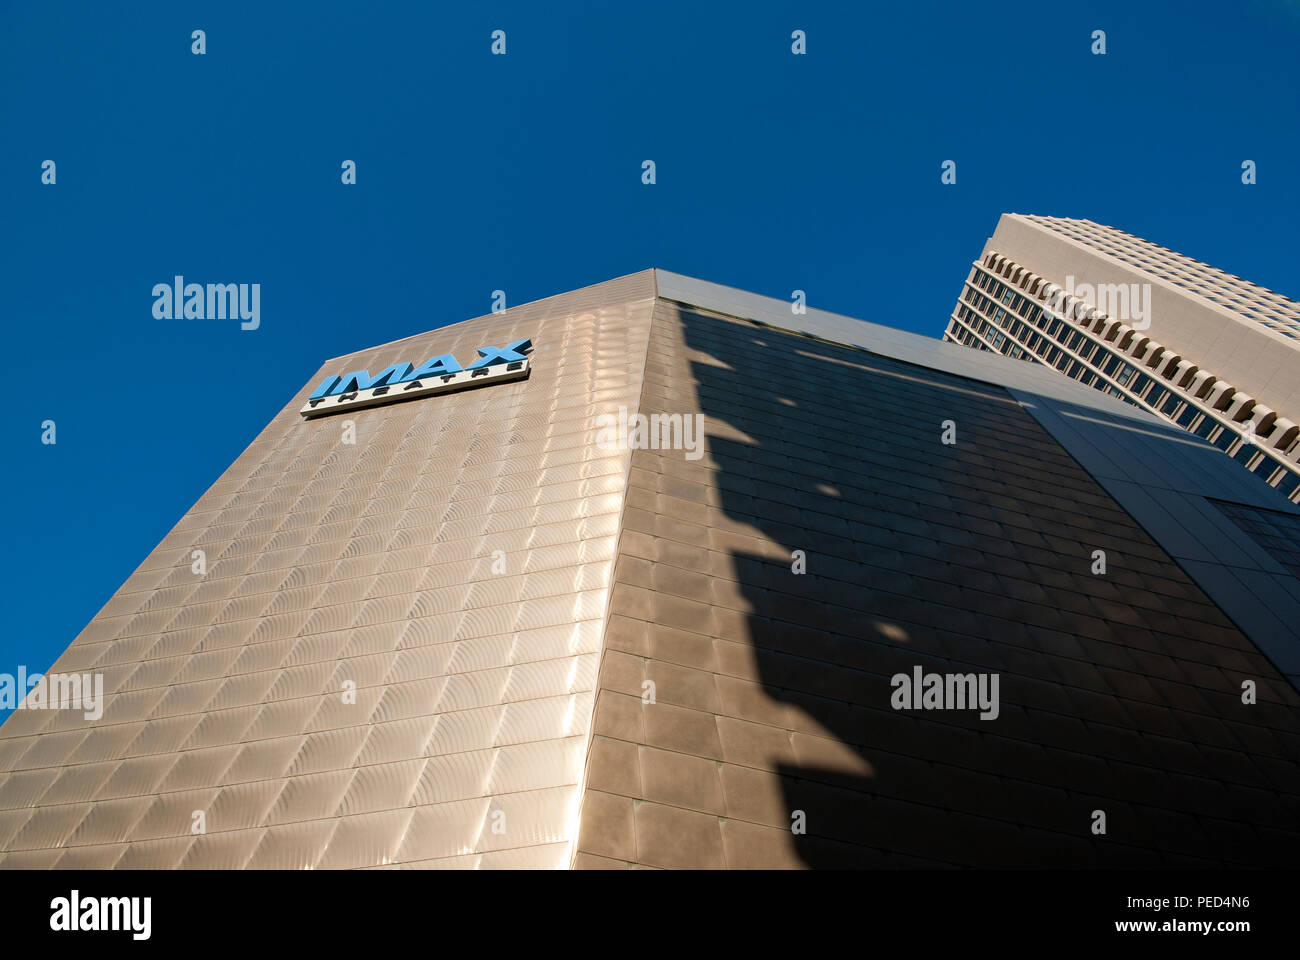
478	172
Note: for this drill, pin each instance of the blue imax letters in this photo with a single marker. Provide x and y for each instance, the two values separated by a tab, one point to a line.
402	381
439	366
361	380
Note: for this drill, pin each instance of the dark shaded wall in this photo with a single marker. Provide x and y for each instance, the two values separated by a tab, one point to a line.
1119	692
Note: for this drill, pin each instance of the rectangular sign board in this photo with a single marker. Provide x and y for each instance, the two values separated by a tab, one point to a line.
401	383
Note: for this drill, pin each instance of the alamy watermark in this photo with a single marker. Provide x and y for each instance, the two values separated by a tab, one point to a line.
53	691
658	431
946	691
1128	302
75	913
179	300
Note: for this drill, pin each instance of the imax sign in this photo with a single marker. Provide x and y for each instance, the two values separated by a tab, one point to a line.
403	381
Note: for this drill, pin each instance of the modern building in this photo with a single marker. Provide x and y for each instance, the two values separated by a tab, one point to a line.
899	604
1210	352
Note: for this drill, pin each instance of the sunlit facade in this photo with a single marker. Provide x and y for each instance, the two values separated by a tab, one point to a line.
1217	356
435	621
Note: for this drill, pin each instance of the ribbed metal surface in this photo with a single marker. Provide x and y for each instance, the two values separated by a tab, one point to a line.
367	566
332	564
773	709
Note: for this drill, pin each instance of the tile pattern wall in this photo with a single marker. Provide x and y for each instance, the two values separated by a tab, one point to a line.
1278	533
372	563
369	564
1119	692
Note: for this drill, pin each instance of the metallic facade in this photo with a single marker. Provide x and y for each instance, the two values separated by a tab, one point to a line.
1219	357
371	564
1120	693
477	638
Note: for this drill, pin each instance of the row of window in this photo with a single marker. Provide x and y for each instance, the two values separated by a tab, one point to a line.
1248	299
1033	336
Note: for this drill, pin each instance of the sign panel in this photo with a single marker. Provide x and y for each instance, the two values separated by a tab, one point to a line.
403	381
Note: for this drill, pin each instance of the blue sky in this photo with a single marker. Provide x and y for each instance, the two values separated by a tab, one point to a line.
523	173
